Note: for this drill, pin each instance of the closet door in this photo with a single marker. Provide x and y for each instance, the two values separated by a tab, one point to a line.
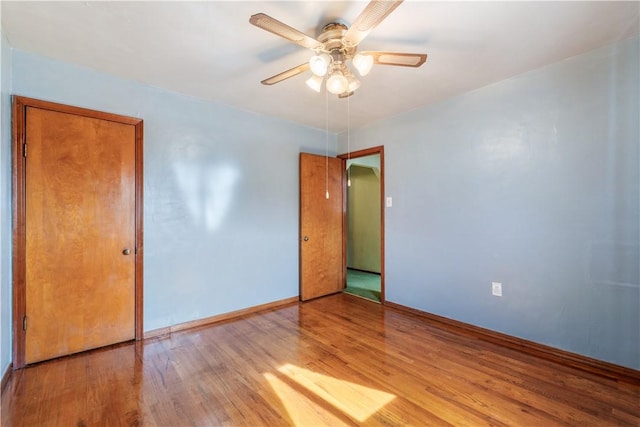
80	232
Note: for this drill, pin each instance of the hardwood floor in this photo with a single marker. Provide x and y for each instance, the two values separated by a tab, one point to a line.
339	360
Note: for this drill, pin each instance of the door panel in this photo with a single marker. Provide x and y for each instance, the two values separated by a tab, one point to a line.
321	222
80	199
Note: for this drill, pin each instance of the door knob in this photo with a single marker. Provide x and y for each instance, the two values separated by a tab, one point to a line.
126	251
306	238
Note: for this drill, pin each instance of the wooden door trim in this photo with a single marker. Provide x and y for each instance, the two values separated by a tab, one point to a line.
20	105
352	155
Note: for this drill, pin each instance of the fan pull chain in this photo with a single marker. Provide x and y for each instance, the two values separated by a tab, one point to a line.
326	156
348	141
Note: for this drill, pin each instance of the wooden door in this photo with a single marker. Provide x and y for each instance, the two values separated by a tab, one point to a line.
81	230
321	222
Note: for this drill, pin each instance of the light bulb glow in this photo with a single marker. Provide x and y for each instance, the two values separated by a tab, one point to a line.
315	83
362	63
337	83
319	64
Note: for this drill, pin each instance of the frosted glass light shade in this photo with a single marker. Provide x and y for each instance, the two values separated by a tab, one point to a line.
362	63
315	83
337	83
319	64
353	83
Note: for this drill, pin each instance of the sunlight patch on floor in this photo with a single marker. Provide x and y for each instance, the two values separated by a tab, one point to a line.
356	401
302	410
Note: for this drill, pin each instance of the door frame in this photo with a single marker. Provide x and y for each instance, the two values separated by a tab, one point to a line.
348	156
20	105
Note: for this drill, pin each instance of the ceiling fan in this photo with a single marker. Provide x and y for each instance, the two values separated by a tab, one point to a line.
336	47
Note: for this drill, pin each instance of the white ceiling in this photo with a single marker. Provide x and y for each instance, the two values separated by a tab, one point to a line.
209	50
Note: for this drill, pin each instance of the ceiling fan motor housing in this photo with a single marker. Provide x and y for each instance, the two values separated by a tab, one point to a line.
331	38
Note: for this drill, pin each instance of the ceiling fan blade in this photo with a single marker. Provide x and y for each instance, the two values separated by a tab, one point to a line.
372	15
398	58
286	74
276	27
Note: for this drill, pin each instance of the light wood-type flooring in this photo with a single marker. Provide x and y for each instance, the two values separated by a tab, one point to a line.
339	360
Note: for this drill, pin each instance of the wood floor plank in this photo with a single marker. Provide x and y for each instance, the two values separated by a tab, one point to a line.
337	361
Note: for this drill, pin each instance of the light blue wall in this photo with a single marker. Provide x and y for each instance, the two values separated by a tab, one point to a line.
532	182
5	205
221	191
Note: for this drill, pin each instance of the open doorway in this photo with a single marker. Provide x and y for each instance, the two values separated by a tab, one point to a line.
364	219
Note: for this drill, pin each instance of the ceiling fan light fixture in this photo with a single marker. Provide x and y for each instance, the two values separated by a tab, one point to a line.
315	83
353	83
362	63
335	50
319	64
337	83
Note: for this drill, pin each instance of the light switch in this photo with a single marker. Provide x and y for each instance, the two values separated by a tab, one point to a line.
389	202
496	289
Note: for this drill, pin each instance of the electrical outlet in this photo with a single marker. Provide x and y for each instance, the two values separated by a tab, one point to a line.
496	289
